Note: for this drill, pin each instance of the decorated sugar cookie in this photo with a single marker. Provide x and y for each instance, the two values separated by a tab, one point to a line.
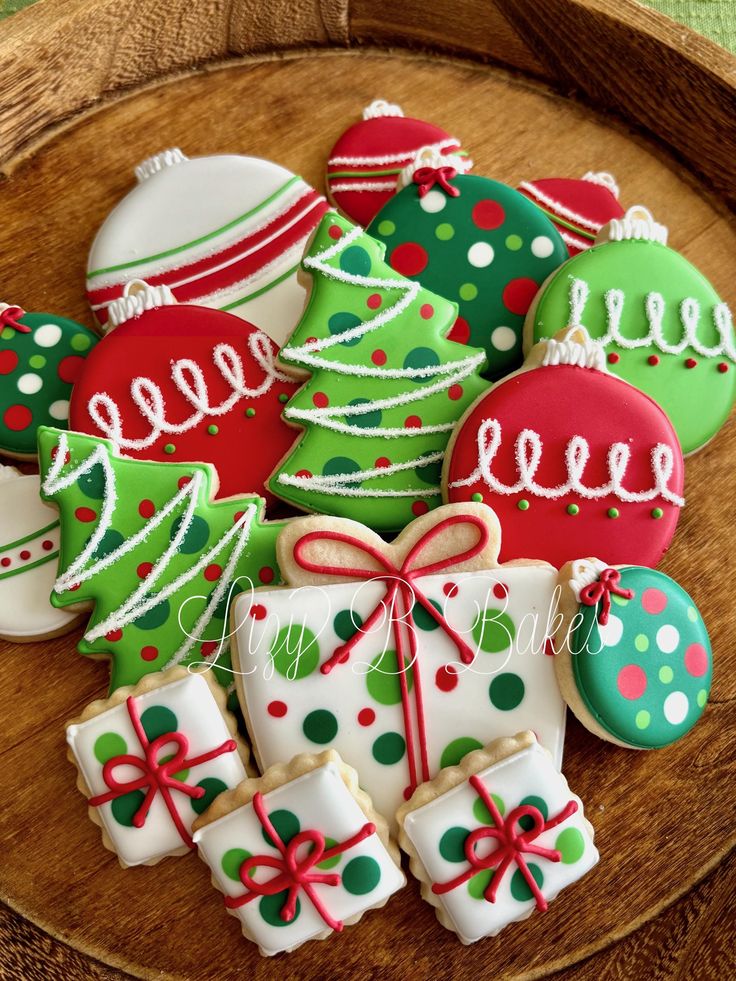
577	208
154	757
475	241
496	838
386	386
223	231
185	383
29	555
343	658
633	657
299	853
156	561
570	456
41	357
367	159
663	326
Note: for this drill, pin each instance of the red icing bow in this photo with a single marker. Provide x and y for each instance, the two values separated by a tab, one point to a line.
427	177
601	589
156	776
512	845
401	590
10	316
293	874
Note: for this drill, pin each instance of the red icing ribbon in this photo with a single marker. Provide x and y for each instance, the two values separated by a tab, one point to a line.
293	874
512	846
10	316
157	776
601	589
401	588
427	177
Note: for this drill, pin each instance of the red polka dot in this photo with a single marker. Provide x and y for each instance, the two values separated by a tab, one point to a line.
460	332
366	717
379	357
54	452
446	677
85	514
277	709
208	648
5	562
266	574
518	295
69	368
8	361
500	590
146	509
149	653
653	600
310	340
114	636
455	392
183	481
17	418
74	587
320	400
723	367
450	589
213	572
237	516
303	473
696	660
409	258
25	555
412	422
632	681
47	544
426	311
549	647
383	461
653	360
614	358
419	507
488	214
144	569
690	363
334	231
374	301
258	612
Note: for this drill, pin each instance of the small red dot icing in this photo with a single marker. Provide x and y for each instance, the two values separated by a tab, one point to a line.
85	514
374	301
69	368
412	422
320	400
500	590
383	461
304	473
426	311
446	677
690	363
266	574
8	361
25	555
183	481
149	652
460	332
144	569
146	509
653	359
614	358
723	367
419	507
450	589
208	648
277	709
378	357
17	418
366	717
488	214
213	572
455	392
5	562
334	231
258	612
549	647
114	636
47	544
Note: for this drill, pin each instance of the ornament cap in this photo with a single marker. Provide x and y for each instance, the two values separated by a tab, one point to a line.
574	346
637	224
603	178
380	108
138	297
158	162
433	159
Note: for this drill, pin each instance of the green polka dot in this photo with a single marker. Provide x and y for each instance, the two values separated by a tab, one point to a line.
523	505
386	227
493	631
526	821
657	513
476	498
514	242
444	231
169	448
612	512
383	680
181	775
285	823
468	292
295	652
110	542
330	863
366	420
80	342
430	473
157	720
320	726
155	617
341	322
361	875
641	643
620	600
702	697
481	813
571	845
424	620
666	674
213	430
283	397
270	909
92	483
346	624
7	333
231	862
519	888
250	412
642	720
573	509
479	883
37	361
452	844
356	261
195	537
340	465
692	614
422	357
125	808
506	691
389	748
457	749
109	744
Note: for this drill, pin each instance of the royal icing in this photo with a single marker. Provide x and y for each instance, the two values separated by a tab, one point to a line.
486	247
298	862
577	208
663	325
569	456
500	844
222	231
29	555
386	386
366	160
41	357
184	383
640	654
153	762
155	558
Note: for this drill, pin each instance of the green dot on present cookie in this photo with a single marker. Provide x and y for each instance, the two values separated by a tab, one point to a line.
538	803
295	652
571	845
157	720
519	887
389	748
231	862
347	623
212	788
361	875
125	808
286	825
270	909
493	631
479	883
383	679
452	844
330	863
320	726
453	753
108	745
481	813
506	691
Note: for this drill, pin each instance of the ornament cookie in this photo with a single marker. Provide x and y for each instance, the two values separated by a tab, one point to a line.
222	231
663	326
41	357
365	162
495	838
29	555
570	456
402	657
386	386
475	241
633	657
184	383
154	757
156	561
299	853
577	208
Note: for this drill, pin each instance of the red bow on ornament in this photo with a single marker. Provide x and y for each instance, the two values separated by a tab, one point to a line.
427	177
600	591
512	846
294	874
157	776
9	317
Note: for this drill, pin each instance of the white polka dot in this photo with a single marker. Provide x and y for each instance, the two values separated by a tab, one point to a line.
480	255
611	632
47	335
675	707
503	338
30	384
668	637
542	247
59	409
433	201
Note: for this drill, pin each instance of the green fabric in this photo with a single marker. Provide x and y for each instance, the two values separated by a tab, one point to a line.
714	18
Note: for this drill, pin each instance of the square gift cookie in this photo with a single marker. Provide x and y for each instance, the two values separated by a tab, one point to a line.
299	852
152	758
496	837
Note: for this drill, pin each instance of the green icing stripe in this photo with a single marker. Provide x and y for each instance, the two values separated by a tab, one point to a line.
561	221
29	538
364	173
27	568
263	289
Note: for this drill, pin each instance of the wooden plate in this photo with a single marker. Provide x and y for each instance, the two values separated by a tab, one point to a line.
663	820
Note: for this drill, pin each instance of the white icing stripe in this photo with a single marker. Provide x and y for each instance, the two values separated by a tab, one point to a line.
569	239
189	380
528	453
339	483
558	207
387	185
584	572
401	158
654	308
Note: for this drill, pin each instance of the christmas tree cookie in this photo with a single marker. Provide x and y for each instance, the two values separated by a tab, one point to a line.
663	326
476	242
385	391
156	561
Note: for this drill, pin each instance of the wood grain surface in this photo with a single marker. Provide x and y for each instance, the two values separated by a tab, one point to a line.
658	904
